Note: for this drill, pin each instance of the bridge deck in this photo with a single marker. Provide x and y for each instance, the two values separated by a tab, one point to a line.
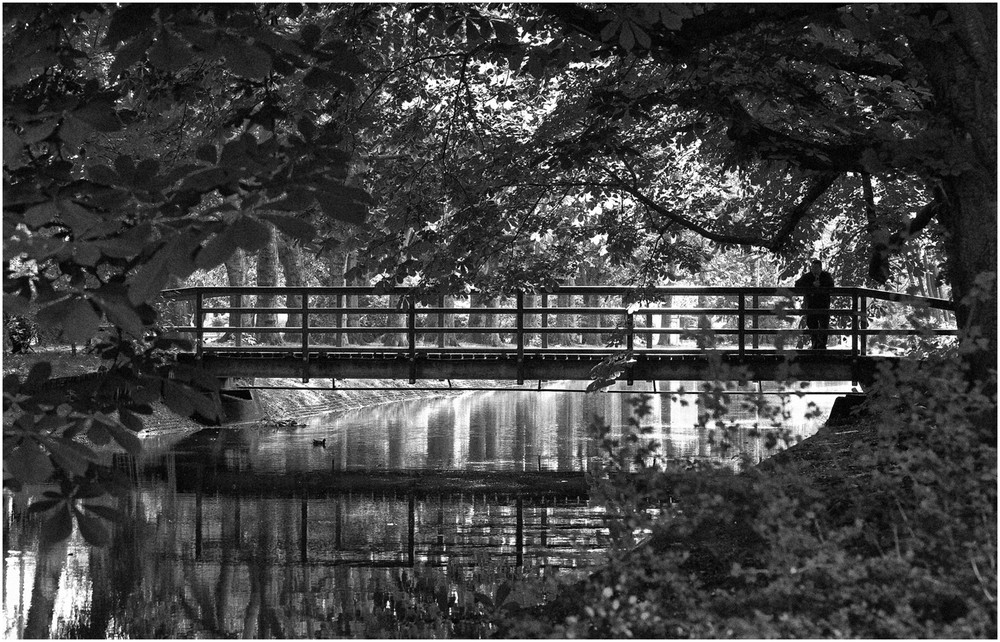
831	365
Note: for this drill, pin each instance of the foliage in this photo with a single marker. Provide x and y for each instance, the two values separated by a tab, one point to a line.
893	536
840	131
502	146
19	332
140	143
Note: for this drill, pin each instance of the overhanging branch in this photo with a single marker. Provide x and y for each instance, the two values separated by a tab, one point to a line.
923	218
698	31
820	184
878	263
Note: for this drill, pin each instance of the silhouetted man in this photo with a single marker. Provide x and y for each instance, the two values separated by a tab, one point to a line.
819	302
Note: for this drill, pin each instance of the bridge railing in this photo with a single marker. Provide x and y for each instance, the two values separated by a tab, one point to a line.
570	319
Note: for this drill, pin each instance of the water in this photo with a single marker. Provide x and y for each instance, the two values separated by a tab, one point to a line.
335	528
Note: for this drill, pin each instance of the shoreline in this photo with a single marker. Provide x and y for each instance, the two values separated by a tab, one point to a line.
278	405
316	398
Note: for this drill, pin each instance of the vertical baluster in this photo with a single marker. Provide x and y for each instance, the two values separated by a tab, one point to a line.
864	325
520	337
741	322
239	320
629	326
629	337
649	327
305	336
545	320
755	302
411	334
854	324
441	322
199	322
339	320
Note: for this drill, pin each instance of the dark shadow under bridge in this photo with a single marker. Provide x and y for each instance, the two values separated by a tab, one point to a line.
669	333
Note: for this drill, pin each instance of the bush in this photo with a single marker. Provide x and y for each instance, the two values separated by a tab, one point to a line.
895	536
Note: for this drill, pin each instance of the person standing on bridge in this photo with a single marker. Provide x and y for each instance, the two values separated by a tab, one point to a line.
818	320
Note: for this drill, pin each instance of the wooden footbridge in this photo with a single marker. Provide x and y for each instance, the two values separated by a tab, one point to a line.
670	333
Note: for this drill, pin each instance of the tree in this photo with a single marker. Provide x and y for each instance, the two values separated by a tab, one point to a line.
644	104
267	276
290	258
235	278
825	91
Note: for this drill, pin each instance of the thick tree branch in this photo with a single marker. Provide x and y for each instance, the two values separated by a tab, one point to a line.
795	215
923	218
698	31
882	249
821	183
878	262
747	131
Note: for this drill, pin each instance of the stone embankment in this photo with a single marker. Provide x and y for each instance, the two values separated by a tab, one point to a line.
294	404
312	399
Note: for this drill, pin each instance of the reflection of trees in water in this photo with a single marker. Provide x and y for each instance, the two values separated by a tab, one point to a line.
509	430
48	567
441	436
484	444
684	427
244	573
246	578
395	427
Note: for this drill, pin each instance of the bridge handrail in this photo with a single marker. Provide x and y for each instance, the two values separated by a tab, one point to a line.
899	297
671	290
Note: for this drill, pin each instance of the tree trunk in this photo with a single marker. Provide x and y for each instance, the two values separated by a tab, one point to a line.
565	320
972	250
267	276
533	320
448	339
290	258
48	568
236	277
397	339
962	72
591	276
666	321
336	271
484	320
352	301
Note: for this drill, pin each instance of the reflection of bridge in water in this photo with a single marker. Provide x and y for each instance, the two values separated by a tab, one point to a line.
380	519
670	333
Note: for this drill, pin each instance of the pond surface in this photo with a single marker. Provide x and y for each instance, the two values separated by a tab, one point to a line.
384	521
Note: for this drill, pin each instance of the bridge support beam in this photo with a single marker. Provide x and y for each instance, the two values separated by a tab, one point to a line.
828	366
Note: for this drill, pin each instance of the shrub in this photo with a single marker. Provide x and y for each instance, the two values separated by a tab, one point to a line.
895	536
